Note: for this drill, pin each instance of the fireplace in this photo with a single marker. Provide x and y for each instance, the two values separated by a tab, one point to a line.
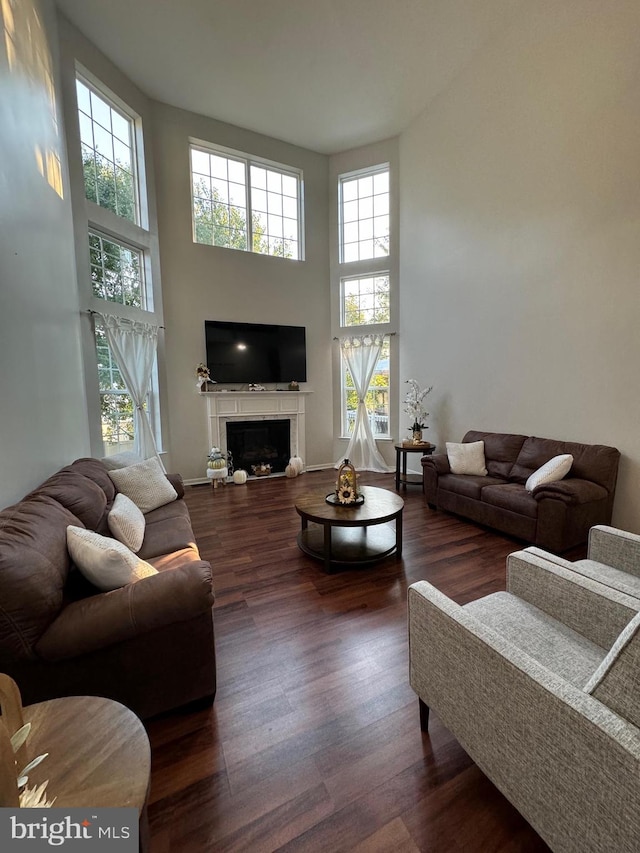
265	442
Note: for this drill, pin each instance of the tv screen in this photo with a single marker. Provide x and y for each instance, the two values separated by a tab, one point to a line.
255	352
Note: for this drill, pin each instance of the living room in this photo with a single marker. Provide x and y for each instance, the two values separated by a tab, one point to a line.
516	250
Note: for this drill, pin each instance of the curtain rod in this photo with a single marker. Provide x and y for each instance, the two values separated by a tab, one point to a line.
92	312
384	334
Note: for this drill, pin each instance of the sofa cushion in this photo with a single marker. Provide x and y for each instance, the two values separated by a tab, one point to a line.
466	457
511	496
552	471
126	522
80	495
94	470
501	450
145	483
168	529
615	682
468	485
105	562
34	564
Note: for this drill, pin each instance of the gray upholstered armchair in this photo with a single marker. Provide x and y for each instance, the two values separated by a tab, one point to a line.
539	684
613	559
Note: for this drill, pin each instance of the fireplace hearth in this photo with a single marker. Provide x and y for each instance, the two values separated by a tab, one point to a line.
263	442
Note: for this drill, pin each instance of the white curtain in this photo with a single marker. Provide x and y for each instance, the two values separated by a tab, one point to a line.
361	354
133	346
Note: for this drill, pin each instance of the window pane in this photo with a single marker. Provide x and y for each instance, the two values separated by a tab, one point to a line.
365	200
365	301
107	156
117	271
274	223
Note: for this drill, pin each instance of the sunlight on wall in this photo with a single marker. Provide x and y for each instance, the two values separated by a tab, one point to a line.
28	55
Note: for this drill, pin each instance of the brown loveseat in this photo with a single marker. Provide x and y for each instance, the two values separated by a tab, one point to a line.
149	644
555	516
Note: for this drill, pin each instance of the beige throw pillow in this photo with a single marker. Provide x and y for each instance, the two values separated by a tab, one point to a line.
146	484
126	522
107	563
467	458
552	471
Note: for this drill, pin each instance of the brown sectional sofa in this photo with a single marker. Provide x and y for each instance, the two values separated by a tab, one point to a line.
148	645
556	516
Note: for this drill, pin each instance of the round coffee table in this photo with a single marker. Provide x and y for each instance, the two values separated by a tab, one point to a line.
350	534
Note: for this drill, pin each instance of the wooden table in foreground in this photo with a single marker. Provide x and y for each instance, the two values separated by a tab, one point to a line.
351	534
99	754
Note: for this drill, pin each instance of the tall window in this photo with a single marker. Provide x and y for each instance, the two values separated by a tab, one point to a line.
119	246
364	215
376	399
108	153
243	203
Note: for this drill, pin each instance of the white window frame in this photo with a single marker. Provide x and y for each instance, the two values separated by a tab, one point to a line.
381	273
135	235
350	176
251	160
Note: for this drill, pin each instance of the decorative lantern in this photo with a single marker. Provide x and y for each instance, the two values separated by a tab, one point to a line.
347	484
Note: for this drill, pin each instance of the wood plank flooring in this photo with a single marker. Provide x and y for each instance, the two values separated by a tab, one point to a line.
313	742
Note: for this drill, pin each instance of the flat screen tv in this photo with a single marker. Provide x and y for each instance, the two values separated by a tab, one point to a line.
240	353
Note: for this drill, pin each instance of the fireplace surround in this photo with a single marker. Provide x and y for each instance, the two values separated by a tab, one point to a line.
224	407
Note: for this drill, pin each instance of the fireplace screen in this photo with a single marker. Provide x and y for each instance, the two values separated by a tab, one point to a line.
259	442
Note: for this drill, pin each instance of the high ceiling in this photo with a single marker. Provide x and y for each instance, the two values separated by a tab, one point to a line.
328	75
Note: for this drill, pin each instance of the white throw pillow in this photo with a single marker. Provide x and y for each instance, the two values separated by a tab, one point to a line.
107	563
146	484
126	522
121	460
467	458
553	470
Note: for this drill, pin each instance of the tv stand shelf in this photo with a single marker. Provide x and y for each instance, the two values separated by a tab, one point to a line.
223	406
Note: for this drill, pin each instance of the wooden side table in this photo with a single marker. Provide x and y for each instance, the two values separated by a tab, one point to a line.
98	751
402	450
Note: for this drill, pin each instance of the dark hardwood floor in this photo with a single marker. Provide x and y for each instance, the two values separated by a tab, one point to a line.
313	742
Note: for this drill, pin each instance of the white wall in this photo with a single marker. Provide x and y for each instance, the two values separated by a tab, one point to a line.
43	420
209	282
520	236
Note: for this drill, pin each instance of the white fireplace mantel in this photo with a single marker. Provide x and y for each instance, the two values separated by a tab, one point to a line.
223	406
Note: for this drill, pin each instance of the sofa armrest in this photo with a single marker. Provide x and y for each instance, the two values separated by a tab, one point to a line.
615	548
175	595
438	461
549	747
573	491
177	483
592	609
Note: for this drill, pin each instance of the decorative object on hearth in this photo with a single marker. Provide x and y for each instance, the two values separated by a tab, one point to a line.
415	408
203	377
254	387
240	477
346	492
297	464
217	467
290	471
294	386
261	470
